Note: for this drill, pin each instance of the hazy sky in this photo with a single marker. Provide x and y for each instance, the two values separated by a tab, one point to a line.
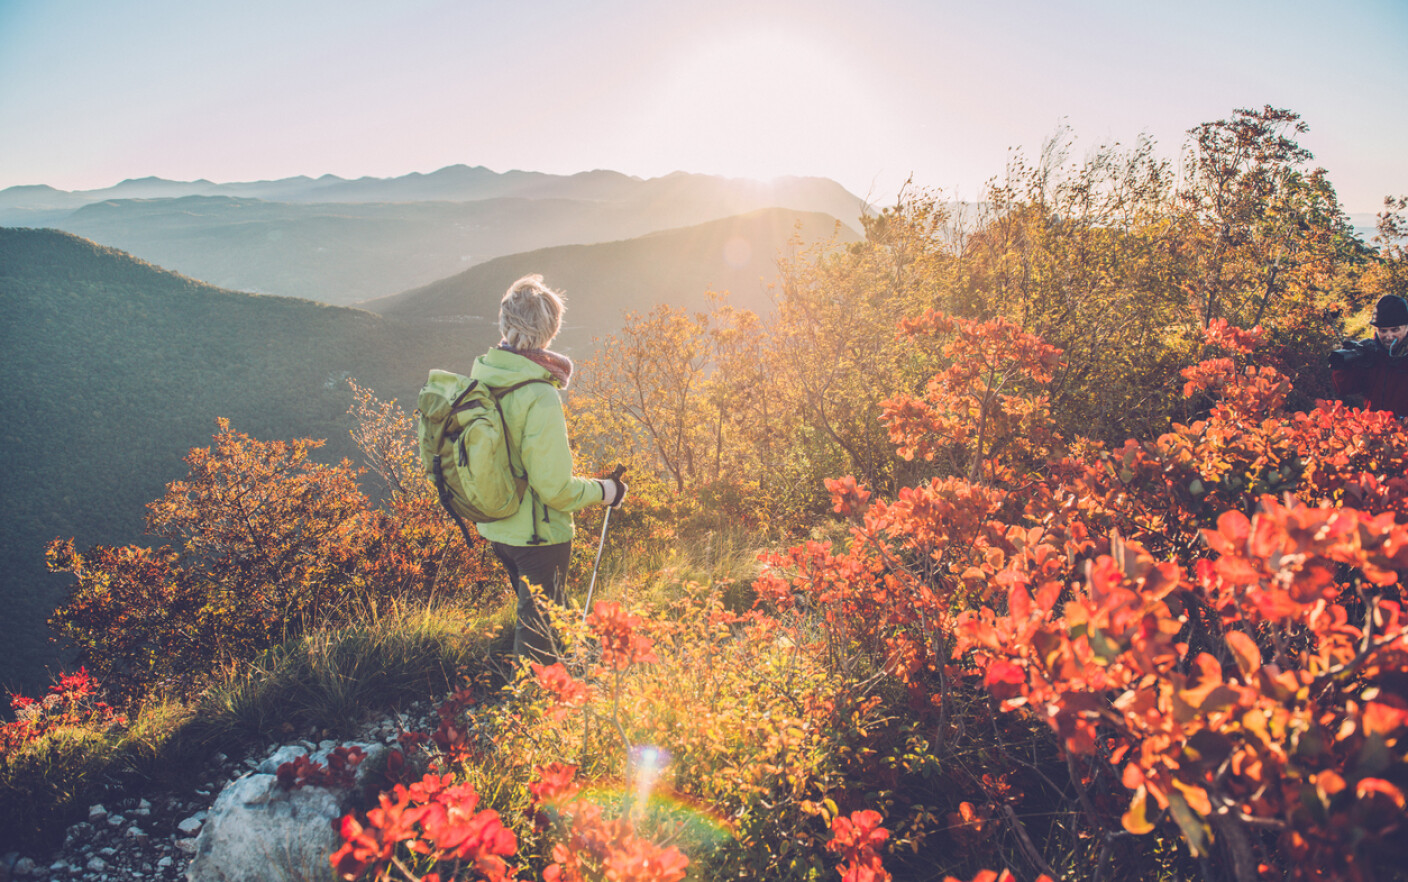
95	91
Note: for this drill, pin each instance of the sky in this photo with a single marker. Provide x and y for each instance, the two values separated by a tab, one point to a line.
96	91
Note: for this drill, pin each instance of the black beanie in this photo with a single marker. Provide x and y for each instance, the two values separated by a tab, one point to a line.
1390	312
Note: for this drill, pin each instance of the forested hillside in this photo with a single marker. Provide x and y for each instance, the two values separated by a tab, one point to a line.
739	255
115	368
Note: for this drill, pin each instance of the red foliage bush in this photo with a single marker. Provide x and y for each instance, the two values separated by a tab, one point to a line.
1211	659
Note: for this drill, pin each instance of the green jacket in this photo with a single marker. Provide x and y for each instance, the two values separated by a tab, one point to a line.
537	432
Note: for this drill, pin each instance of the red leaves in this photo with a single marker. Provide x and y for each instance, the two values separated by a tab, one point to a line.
994	876
1004	679
858	839
849	498
340	770
621	645
72	701
568	693
433	817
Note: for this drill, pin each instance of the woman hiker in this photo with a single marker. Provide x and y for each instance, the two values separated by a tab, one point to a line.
535	543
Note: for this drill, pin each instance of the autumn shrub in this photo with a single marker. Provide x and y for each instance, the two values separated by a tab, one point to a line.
266	544
1236	687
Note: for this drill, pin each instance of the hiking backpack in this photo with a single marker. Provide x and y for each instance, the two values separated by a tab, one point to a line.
466	450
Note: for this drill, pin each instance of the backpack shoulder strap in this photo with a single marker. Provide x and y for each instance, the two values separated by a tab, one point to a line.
501	391
522	472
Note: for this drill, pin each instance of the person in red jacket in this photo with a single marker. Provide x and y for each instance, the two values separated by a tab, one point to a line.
1377	367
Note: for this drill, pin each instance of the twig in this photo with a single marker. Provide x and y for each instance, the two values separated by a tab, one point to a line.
1025	842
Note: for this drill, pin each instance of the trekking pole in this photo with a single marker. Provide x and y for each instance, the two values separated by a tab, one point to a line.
587	607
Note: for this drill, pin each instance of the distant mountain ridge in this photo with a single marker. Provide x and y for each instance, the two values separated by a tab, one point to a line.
454	183
342	241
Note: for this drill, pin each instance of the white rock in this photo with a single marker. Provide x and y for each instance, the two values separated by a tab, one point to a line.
259	832
191	826
96	814
116	820
96	865
288	754
135	832
25	867
164	863
145	806
187	845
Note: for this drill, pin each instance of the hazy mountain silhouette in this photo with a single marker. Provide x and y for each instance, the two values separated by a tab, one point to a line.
341	241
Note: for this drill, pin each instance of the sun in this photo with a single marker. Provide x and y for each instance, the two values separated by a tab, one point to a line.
763	104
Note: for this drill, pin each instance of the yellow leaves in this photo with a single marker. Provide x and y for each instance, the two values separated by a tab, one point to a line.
1194	831
1136	818
824	808
1196	797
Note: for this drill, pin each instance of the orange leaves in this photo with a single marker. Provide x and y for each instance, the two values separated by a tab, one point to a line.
556	783
1246	652
1283	564
1219	332
985	398
1371	786
266	544
1136	818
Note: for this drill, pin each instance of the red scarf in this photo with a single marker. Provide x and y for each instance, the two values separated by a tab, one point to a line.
555	363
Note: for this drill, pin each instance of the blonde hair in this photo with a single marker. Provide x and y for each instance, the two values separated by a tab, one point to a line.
530	314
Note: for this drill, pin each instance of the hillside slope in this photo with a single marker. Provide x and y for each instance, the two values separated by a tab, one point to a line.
737	254
115	368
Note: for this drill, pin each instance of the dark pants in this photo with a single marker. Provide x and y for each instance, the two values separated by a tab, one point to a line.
545	566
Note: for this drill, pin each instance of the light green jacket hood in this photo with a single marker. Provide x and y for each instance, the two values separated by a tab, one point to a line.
537	431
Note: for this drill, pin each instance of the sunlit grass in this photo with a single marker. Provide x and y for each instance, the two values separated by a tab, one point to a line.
323	685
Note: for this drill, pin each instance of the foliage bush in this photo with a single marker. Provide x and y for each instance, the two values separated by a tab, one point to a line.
268	545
